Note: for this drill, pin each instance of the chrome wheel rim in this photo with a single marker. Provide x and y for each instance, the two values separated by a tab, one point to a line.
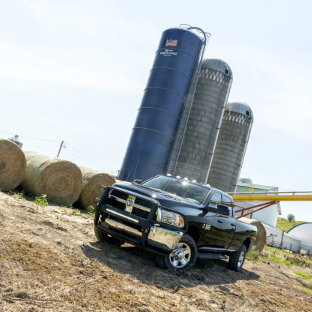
241	258
181	256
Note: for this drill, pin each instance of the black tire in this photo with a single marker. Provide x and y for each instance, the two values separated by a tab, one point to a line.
181	258
237	259
104	238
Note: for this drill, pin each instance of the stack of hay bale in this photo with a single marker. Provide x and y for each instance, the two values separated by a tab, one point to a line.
63	181
60	180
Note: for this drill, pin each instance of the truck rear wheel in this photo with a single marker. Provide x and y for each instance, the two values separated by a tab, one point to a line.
237	259
181	258
104	238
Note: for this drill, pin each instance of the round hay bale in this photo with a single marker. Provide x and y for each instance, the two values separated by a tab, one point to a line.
12	165
60	180
92	188
261	232
31	155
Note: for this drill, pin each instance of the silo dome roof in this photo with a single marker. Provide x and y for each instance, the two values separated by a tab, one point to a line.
239	107
245	180
302	231
217	64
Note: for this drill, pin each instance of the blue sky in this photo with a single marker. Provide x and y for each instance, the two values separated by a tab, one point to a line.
76	71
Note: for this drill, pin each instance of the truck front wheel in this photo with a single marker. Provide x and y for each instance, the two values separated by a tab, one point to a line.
237	259
181	258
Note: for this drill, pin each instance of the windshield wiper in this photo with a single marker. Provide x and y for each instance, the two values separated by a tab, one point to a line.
153	188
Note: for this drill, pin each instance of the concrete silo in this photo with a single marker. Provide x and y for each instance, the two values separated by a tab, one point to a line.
196	139
231	146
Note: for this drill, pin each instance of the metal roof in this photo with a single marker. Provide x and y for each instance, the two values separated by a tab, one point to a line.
217	64
302	231
299	225
244	187
239	107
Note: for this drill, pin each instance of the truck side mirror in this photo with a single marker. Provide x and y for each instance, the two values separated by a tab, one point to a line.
223	210
137	181
212	207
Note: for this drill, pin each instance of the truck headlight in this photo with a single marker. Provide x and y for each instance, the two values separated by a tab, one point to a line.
170	217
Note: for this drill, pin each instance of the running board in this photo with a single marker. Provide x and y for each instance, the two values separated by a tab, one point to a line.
205	255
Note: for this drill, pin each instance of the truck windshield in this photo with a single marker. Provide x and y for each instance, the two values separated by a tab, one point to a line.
179	187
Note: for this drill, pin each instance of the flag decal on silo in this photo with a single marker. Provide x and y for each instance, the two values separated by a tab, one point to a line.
171	43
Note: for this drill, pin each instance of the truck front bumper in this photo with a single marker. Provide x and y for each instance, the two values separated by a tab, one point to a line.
159	239
155	237
164	238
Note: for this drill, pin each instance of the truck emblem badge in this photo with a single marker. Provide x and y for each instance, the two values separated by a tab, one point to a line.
130	202
207	226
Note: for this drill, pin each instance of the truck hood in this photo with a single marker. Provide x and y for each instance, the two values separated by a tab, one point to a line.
165	199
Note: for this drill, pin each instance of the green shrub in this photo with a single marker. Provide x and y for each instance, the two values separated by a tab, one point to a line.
255	255
277	259
90	210
20	195
41	200
76	211
303	274
309	291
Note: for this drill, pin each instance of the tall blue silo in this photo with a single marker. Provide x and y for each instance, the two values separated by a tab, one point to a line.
177	57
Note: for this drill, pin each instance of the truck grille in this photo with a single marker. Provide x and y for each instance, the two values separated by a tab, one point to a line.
119	194
116	204
118	199
140	213
143	202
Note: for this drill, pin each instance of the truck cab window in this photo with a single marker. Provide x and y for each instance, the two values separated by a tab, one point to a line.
227	201
215	200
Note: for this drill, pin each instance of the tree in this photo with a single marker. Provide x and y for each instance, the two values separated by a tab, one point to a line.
290	217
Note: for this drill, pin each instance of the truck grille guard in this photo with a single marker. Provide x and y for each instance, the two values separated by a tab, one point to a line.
132	216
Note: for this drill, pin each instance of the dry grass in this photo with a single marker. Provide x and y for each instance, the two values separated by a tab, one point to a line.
284	225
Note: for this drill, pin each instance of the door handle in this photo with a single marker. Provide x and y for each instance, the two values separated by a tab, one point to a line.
220	221
233	224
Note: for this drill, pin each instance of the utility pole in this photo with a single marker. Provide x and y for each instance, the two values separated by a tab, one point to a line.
60	149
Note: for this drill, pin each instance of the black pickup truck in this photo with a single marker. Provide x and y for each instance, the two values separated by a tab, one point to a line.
178	219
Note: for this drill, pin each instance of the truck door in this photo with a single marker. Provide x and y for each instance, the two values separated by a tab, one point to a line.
218	230
229	222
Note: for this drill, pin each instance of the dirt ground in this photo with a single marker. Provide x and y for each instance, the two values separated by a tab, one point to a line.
50	260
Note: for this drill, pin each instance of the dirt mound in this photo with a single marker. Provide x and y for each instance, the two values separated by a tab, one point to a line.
50	261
